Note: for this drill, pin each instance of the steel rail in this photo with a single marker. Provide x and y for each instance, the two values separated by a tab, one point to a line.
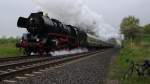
40	65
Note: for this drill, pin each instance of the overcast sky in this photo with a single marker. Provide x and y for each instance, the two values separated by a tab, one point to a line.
112	10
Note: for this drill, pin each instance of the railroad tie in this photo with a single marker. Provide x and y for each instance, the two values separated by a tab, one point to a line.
21	78
42	70
19	68
37	73
47	68
3	71
9	82
28	65
11	70
29	75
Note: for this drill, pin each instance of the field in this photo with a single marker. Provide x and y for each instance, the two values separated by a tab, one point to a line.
7	47
136	50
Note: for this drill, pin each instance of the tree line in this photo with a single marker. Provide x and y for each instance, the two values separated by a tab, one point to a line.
130	27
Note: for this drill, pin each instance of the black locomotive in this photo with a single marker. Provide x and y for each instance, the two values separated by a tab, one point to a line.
45	35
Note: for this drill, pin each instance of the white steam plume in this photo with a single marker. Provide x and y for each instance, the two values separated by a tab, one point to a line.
74	12
64	52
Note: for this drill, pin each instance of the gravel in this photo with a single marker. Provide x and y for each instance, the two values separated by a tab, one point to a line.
89	70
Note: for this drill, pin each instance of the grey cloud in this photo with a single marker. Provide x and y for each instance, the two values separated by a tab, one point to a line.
112	10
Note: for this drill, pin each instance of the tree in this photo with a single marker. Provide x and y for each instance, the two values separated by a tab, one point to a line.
146	29
130	27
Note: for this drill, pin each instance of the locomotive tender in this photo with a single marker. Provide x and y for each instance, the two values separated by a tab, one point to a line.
45	35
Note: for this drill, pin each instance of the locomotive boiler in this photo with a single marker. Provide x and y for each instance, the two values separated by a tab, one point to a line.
46	34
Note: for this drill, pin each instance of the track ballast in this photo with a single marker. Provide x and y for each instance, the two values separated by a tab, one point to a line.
12	70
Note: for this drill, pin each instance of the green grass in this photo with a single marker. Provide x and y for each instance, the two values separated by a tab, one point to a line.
137	51
7	48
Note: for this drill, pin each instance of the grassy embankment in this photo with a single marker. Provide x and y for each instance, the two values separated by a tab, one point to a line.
7	48
137	51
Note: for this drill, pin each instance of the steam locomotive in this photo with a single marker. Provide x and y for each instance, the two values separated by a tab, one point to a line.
46	34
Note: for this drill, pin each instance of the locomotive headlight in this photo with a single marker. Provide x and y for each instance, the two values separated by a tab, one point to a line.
32	20
37	40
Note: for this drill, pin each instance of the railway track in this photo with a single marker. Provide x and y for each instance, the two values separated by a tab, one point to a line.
12	70
5	61
17	58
